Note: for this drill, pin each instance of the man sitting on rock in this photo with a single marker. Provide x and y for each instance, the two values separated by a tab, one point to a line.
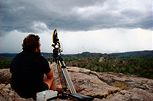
28	69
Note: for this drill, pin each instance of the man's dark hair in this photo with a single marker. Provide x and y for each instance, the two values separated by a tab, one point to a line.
30	43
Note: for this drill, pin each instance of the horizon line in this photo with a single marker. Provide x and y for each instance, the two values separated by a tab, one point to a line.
81	52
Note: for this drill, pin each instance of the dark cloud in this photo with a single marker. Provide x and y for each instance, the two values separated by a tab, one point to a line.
72	14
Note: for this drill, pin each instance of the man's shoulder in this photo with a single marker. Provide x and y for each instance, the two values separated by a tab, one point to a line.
43	58
18	55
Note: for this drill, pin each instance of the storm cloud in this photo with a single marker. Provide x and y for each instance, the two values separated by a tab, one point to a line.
74	15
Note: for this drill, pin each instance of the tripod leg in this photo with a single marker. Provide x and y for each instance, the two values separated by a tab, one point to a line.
59	79
68	80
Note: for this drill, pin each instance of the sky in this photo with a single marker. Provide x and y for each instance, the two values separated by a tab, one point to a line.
100	26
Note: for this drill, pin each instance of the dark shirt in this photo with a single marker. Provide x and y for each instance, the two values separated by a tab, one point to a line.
28	69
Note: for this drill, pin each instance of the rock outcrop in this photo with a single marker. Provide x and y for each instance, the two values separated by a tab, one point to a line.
102	86
112	86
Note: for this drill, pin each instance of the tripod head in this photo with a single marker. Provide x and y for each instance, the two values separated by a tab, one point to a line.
56	45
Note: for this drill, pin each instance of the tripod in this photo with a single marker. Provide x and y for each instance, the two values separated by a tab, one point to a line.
68	89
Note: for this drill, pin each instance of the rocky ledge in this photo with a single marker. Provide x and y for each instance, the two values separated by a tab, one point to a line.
102	86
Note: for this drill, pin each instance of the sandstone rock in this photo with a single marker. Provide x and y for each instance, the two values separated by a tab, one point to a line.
138	94
91	85
131	95
5	76
7	94
136	88
130	81
102	86
76	69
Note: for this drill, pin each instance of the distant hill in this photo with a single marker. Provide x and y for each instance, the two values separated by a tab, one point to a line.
88	54
124	54
7	55
133	54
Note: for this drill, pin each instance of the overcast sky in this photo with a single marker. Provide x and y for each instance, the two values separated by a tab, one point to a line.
103	26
